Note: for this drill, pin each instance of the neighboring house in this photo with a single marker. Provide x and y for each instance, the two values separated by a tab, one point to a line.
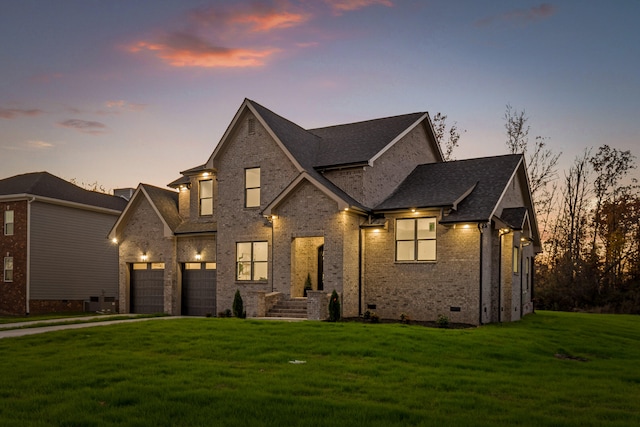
368	209
55	255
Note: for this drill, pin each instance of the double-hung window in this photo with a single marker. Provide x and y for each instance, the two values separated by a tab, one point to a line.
416	239
206	197
251	261
8	269
252	188
8	223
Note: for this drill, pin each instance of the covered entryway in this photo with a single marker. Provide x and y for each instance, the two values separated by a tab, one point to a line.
307	255
147	288
198	289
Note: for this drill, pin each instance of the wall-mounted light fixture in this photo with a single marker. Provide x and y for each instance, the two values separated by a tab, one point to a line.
143	257
114	240
504	231
198	256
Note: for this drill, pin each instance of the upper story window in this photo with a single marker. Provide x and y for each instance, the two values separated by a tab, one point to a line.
252	188
206	197
8	269
8	223
251	260
416	239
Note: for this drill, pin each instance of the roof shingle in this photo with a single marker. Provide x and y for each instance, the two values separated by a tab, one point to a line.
44	184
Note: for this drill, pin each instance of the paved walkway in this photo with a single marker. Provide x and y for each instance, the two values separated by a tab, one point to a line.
9	333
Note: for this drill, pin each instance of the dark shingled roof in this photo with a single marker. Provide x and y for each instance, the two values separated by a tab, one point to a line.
514	217
352	143
447	183
357	143
44	184
166	201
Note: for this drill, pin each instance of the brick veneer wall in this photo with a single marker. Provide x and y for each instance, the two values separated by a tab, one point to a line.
13	294
424	290
144	233
235	222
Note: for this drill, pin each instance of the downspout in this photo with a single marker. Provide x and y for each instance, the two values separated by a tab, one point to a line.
360	255
28	273
521	258
500	276
532	273
481	230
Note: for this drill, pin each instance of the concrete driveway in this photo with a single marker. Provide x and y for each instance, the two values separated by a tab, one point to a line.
9	333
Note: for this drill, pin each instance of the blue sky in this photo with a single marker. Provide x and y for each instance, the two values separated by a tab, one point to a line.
122	92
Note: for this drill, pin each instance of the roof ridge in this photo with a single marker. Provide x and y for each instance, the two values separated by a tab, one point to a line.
417	113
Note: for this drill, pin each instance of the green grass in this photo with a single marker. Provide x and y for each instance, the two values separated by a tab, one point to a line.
207	372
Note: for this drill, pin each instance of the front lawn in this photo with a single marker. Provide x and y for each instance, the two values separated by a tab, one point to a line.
549	369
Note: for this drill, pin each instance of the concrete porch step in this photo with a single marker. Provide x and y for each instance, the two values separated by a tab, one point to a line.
294	308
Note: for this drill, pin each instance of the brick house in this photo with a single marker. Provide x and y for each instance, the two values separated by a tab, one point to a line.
368	209
54	253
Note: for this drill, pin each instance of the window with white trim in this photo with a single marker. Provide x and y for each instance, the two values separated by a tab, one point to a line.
251	261
8	269
252	188
416	239
8	223
516	259
206	197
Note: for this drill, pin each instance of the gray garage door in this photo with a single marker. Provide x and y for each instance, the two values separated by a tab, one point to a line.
199	289
147	290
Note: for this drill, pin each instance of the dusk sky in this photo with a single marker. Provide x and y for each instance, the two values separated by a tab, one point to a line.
122	92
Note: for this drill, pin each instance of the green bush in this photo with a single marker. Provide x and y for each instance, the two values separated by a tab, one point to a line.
443	321
374	318
238	306
307	284
404	318
334	307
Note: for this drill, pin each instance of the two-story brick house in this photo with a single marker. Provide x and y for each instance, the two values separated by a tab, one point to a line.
368	209
53	248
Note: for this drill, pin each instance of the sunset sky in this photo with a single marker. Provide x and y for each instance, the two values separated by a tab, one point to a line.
122	92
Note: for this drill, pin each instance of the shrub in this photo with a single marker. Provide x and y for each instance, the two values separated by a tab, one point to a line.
366	315
443	321
374	318
334	307
238	306
404	318
225	313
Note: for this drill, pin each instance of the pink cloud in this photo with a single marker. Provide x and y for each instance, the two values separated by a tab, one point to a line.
521	16
13	113
188	50
84	126
341	6
271	20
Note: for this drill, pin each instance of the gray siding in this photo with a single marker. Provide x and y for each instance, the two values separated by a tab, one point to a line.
71	257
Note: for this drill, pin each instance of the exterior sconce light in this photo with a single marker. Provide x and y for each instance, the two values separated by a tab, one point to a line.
143	257
413	209
114	240
206	174
198	256
504	231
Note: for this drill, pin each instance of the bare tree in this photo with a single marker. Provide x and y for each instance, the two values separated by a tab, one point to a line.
447	138
541	163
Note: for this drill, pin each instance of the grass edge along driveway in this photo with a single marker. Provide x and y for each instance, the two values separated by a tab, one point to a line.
549	369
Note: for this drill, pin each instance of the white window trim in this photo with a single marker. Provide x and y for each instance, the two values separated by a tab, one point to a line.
4	269
12	223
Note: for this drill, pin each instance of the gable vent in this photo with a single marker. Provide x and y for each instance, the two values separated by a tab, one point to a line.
251	126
